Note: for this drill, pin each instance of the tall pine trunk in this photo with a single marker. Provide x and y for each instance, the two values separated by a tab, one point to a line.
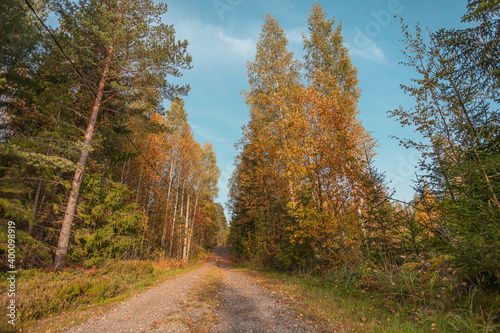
62	246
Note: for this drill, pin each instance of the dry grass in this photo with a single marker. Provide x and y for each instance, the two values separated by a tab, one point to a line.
205	294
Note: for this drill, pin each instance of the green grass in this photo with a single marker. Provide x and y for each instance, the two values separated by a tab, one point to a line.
46	300
372	300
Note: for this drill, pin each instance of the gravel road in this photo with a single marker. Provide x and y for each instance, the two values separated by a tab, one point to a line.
170	307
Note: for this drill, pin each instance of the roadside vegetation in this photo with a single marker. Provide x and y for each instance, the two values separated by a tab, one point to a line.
372	300
48	300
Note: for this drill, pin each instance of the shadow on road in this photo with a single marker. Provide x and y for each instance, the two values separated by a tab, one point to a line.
222	257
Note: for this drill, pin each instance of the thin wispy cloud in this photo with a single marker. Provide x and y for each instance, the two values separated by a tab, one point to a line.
206	133
360	45
372	52
211	44
240	47
294	35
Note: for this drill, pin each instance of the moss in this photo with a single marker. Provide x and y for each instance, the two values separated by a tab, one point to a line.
440	262
411	266
438	267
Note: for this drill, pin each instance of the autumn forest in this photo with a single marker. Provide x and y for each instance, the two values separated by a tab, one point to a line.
99	166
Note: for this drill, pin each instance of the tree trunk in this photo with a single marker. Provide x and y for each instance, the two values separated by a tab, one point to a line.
172	227
62	246
191	229
166	208
37	195
126	166
151	222
186	229
146	231
344	243
123	172
140	180
139	186
151	237
179	244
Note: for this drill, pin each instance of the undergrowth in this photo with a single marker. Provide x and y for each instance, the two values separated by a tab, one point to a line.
422	297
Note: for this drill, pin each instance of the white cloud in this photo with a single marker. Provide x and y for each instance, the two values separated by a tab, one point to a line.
206	133
360	45
371	52
209	44
240	47
294	35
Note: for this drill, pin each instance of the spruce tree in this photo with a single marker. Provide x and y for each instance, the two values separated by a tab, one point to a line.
457	114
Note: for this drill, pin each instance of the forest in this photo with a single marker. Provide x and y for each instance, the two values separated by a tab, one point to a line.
83	121
100	169
305	195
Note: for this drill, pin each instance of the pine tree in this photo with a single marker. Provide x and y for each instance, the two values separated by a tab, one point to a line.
37	125
120	47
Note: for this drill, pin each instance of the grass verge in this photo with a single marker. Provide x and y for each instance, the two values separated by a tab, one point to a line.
206	291
197	312
47	301
391	302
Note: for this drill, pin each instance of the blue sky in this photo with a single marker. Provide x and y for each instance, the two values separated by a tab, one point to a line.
222	35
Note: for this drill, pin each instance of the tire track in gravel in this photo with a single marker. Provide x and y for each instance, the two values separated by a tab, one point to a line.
248	307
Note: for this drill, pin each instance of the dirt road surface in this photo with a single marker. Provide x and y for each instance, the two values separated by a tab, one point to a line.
248	307
242	306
